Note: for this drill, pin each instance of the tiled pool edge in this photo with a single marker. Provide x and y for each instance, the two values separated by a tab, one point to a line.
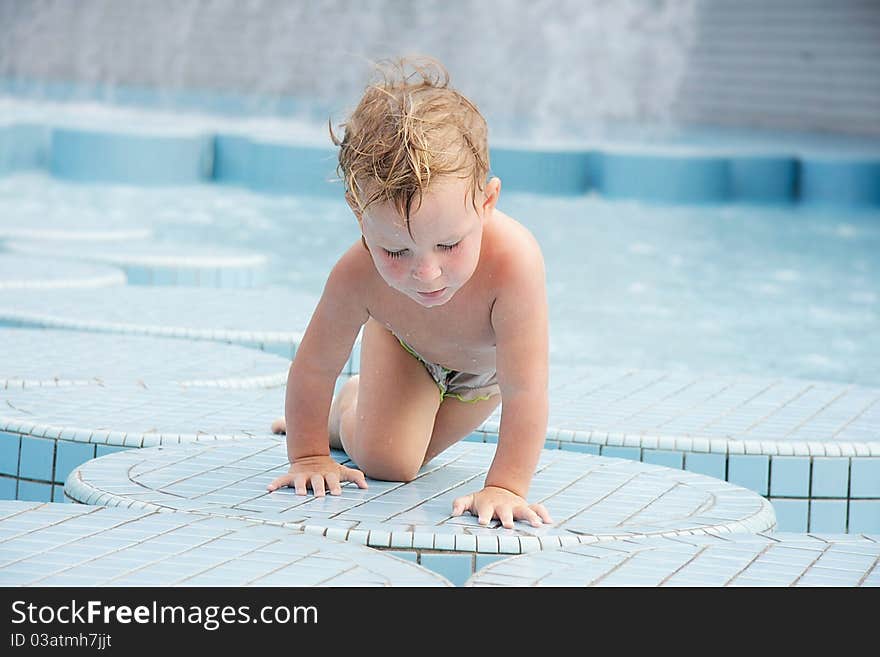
830	507
456	556
654	173
775	559
78	491
66	545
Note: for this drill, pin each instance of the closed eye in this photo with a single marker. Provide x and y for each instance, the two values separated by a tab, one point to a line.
450	247
394	254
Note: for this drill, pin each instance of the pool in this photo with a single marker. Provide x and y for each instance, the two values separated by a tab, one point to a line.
723	289
701	321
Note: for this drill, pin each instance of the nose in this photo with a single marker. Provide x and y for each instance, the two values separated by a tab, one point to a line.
426	269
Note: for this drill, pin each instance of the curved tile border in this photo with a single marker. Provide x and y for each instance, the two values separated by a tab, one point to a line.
137	416
62	358
148	263
670	179
75	545
657	410
271	319
710	560
708	169
46	432
275	167
592	498
811	447
25	272
158	158
841	181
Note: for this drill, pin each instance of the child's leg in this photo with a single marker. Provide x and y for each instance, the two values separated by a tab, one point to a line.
342	400
397	423
456	420
387	426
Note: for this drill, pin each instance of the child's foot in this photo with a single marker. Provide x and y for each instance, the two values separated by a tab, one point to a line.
279	426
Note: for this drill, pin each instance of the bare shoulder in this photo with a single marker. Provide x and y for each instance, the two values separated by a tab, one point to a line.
351	280
354	270
516	254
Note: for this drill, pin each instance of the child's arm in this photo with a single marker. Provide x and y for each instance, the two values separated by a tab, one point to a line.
319	360
519	317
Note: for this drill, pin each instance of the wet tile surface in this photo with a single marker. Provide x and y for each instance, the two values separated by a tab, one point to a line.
21	272
76	545
781	559
60	358
591	498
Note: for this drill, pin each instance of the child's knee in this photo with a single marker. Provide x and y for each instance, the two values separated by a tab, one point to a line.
386	468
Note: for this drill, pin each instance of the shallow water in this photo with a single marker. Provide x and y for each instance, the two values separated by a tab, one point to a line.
725	289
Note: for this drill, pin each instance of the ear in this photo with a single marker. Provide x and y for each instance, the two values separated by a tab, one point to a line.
490	195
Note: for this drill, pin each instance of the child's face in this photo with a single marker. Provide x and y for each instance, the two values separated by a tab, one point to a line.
443	252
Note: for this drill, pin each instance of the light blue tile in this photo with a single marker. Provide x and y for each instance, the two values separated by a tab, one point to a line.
791	515
484	560
34	491
404	554
108	449
750	471
790	477
58	493
7	488
713	465
69	455
828	516
9	444
580	447
865	478
37	455
864	516
830	477
137	276
457	568
632	453
160	275
668	458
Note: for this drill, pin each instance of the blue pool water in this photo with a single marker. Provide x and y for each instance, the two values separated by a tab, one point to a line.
725	289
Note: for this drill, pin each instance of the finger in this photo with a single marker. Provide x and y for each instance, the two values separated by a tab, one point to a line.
543	513
358	477
318	485
332	480
506	517
278	482
299	482
526	513
485	513
462	504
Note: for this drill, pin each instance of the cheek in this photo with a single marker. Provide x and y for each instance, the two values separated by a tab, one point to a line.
464	262
392	269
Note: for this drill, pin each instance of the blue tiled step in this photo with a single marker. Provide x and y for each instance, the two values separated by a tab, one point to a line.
669	173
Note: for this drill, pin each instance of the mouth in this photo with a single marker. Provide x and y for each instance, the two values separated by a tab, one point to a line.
436	294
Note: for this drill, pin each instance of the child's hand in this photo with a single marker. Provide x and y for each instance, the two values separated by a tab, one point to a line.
316	471
497	502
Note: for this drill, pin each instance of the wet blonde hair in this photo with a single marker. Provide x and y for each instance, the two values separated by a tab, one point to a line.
410	128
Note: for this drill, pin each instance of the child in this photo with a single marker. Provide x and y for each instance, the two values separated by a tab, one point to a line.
451	294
